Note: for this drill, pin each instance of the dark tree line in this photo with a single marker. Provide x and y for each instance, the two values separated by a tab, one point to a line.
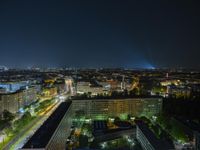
187	108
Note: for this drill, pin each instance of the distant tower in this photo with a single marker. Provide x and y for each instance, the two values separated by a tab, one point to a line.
167	75
76	80
123	83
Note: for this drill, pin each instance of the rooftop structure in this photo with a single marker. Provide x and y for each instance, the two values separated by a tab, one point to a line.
102	132
99	126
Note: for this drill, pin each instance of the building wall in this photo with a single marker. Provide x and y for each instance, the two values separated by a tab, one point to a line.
49	92
59	138
180	92
84	87
10	102
14	86
14	101
61	88
197	140
29	95
112	107
143	140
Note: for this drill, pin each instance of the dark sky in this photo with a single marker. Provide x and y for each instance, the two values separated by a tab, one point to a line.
100	33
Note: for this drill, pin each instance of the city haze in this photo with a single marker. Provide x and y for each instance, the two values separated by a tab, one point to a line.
141	34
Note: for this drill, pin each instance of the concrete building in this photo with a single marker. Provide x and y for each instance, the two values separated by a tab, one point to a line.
13	86
29	95
118	107
49	92
61	87
69	85
179	91
53	134
148	140
85	87
16	100
10	102
191	129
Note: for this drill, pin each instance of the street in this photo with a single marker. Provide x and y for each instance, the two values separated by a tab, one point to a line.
30	129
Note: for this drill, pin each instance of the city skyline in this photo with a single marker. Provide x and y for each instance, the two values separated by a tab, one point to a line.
131	34
107	108
99	74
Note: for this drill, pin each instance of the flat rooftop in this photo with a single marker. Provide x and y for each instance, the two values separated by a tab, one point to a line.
42	136
111	98
99	125
123	124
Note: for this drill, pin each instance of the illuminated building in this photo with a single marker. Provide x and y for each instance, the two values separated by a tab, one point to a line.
179	91
13	86
61	87
119	107
16	100
114	85
68	84
85	87
49	92
106	86
49	81
170	82
10	102
29	95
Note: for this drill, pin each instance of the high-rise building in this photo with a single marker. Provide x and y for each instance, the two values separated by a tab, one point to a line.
10	102
52	135
117	107
15	100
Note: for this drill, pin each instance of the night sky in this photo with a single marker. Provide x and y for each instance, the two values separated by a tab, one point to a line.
100	33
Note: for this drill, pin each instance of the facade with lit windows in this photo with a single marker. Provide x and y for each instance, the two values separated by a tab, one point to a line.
13	86
85	87
104	108
12	102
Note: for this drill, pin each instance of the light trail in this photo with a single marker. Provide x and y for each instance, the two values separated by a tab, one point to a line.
25	135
